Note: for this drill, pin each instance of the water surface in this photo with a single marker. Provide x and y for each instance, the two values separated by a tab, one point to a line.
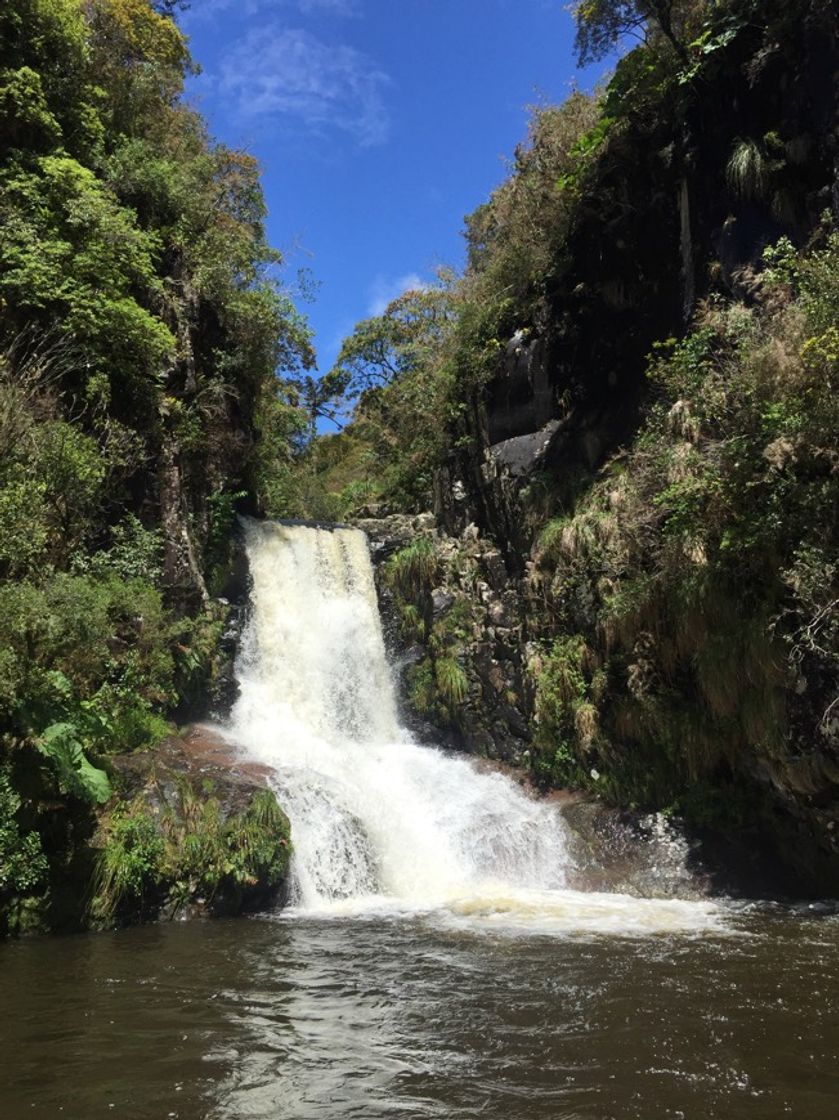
440	961
299	1018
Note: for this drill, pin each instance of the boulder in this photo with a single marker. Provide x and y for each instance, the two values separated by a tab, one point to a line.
198	831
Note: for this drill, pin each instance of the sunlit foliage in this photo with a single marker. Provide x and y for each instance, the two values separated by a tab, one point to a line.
146	347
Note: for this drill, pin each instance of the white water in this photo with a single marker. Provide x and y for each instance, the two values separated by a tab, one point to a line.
379	822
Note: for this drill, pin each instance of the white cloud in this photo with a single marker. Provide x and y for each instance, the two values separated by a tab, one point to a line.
338	7
384	291
289	73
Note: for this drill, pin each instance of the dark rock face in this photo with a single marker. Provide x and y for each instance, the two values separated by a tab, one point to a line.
500	702
522	396
477	595
521	455
630	853
645	854
235	596
664	228
224	687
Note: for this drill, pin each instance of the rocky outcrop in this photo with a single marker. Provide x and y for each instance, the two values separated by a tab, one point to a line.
198	832
202	756
468	611
457	637
522	397
387	533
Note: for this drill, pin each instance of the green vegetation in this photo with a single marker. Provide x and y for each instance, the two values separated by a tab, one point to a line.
668	269
602	24
23	866
437	684
414	568
410	373
142	326
452	683
696	583
155	378
191	852
392	373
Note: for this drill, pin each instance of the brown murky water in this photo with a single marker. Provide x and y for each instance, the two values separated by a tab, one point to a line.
298	1018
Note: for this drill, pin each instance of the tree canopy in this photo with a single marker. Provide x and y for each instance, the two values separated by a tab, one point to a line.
147	345
602	24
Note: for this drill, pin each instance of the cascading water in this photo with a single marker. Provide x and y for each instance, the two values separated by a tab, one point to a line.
379	821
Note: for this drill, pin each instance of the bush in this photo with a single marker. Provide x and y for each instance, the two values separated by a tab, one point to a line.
414	568
131	863
190	852
87	667
23	865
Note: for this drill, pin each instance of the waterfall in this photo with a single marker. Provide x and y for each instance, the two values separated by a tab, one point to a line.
378	820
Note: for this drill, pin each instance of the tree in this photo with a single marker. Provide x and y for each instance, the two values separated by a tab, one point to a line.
601	24
392	368
321	398
386	347
381	350
146	347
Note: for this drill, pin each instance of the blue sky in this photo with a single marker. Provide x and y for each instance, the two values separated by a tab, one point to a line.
379	125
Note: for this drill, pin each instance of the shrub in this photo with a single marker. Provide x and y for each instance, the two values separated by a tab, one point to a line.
689	612
452	682
191	852
23	865
131	862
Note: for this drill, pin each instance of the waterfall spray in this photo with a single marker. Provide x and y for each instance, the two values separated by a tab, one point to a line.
378	820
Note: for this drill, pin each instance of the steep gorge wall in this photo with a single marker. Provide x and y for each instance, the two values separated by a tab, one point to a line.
662	223
771	830
625	578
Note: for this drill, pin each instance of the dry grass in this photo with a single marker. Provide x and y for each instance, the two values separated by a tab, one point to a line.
586	724
747	171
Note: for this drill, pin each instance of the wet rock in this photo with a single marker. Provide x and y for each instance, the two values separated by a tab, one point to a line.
201	755
223	843
521	397
223	689
522	455
628	852
494	569
472	616
441	600
388	534
484	592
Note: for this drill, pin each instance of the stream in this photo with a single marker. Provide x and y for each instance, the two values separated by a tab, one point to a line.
438	957
297	1018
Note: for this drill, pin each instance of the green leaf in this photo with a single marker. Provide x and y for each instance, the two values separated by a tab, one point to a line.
94	780
63	687
76	774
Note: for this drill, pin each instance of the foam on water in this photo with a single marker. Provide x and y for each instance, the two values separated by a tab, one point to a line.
381	823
